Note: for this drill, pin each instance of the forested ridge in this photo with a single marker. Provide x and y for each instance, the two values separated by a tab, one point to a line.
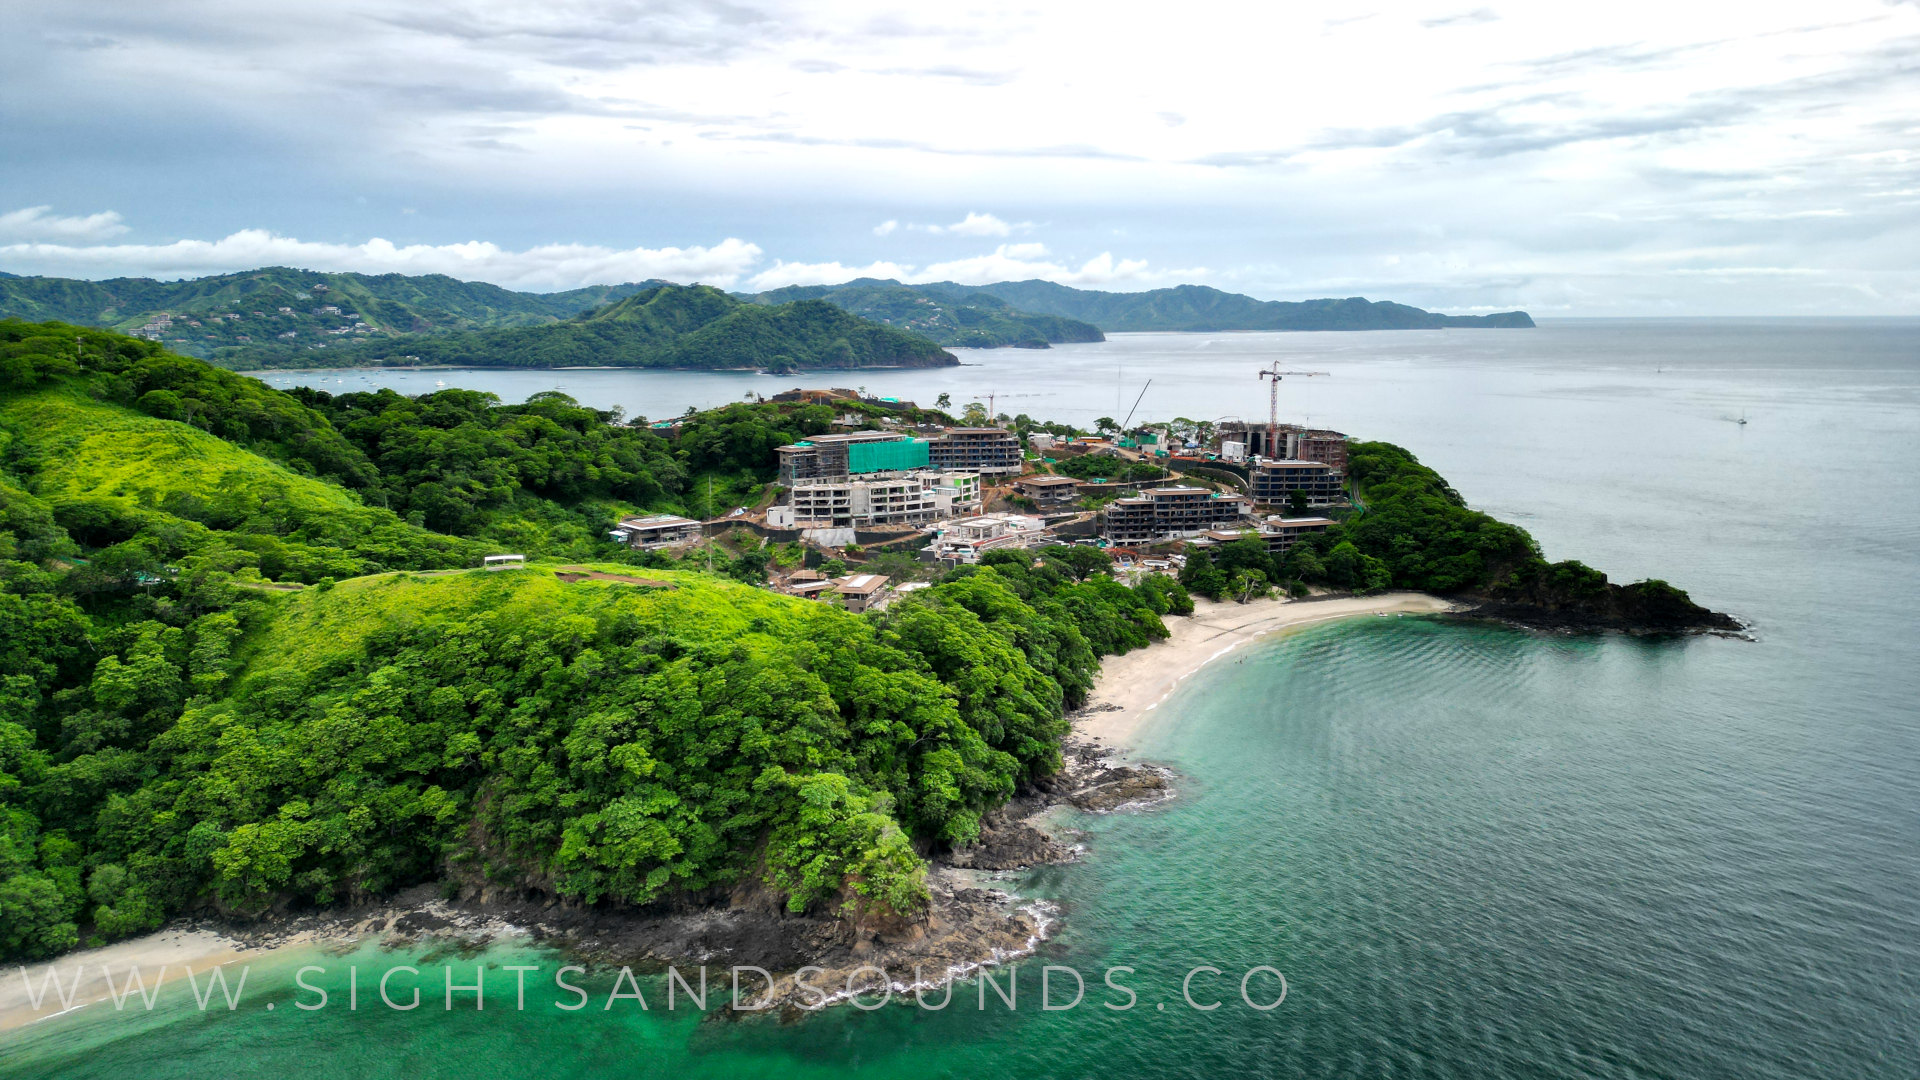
179	733
662	326
1203	308
975	320
397	301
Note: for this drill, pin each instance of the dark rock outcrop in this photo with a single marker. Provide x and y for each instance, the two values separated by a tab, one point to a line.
1560	599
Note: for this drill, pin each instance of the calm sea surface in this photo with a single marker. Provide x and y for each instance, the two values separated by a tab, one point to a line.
1474	852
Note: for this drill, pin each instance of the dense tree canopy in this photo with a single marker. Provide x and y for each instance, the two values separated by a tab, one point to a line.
177	733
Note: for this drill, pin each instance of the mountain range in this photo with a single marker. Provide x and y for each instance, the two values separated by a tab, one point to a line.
1203	308
282	317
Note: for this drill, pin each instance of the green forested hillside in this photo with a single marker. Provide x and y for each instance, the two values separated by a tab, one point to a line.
229	315
695	326
176	734
547	475
278	317
976	320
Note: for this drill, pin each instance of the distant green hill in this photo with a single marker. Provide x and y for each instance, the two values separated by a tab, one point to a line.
232	316
1198	308
675	326
390	300
978	320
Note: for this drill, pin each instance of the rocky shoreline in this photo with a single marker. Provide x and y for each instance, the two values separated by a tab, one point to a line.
970	924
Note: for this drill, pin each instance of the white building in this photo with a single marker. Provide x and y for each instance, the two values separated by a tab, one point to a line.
877	501
967	539
1233	450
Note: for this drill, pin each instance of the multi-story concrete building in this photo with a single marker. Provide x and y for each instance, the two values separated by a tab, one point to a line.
830	456
1235	439
1172	513
876	501
984	450
1327	447
1272	483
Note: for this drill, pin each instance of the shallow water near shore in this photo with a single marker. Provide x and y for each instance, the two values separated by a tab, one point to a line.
1473	851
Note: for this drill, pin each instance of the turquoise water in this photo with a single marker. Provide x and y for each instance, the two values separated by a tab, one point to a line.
1473	851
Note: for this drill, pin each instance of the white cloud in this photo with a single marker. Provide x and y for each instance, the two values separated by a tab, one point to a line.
1017	262
40	223
546	267
782	274
1553	139
978	224
974	224
1006	262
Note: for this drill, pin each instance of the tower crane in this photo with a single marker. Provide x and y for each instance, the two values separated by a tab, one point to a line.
1273	401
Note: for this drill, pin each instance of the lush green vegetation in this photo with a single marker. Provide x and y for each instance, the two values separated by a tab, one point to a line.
664	326
384	304
120	436
976	321
177	733
1108	469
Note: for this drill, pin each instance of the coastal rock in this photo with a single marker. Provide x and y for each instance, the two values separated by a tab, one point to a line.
1120	785
1013	846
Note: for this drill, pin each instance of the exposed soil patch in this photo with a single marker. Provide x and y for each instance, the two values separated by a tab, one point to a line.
581	573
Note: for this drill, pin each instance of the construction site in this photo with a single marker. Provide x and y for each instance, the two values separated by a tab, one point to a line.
949	495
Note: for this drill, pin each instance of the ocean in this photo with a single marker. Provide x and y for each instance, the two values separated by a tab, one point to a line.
1470	850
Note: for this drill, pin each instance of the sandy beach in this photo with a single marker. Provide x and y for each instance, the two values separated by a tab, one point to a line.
168	953
1131	686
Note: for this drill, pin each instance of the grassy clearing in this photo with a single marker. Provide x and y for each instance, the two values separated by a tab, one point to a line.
321	626
90	448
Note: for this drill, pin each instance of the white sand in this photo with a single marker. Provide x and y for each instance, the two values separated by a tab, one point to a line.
175	951
1142	679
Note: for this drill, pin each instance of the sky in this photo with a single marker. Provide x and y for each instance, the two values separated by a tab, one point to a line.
1627	158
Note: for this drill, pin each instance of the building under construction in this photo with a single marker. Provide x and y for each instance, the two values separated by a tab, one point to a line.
1273	483
1172	513
1291	442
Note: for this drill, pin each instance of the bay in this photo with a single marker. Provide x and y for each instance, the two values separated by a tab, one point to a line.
1473	851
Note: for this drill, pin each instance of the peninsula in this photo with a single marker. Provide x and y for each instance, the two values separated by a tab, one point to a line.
256	673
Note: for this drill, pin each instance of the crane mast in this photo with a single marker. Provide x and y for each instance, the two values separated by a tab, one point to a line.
1273	402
